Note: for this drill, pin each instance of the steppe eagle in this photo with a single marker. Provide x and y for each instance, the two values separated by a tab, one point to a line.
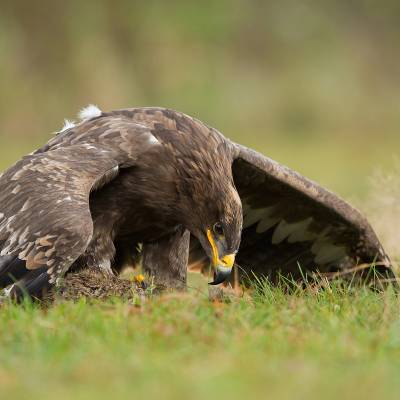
159	178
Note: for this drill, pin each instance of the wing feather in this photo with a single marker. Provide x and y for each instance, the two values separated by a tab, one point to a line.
291	221
47	221
45	218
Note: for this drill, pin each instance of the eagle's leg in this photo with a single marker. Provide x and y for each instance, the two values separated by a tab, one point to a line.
126	256
166	260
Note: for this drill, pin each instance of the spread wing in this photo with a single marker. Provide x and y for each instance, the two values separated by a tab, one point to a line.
291	222
45	220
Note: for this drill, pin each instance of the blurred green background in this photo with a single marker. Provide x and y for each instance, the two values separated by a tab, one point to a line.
313	84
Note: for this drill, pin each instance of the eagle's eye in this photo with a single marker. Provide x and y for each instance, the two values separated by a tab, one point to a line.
218	229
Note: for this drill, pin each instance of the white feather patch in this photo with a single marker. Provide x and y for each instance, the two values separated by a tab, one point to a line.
22	237
26	205
153	139
89	112
67	125
90	147
7	291
16	189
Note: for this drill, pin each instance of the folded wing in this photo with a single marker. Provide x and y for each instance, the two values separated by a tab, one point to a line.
45	219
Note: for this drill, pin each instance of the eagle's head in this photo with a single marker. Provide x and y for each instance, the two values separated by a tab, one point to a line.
223	231
212	209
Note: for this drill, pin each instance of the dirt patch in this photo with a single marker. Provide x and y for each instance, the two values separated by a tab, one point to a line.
93	284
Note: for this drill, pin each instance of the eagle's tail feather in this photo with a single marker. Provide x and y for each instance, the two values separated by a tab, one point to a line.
11	270
24	282
34	284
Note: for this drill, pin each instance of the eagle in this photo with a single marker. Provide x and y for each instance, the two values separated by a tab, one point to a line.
160	184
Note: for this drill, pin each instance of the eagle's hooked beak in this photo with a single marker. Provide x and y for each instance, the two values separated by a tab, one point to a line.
222	266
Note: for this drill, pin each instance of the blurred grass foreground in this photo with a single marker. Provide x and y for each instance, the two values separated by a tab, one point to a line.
337	342
312	84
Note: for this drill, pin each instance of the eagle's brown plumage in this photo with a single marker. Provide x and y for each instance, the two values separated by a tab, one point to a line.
149	175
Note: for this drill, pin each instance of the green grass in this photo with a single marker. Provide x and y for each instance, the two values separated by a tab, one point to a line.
307	344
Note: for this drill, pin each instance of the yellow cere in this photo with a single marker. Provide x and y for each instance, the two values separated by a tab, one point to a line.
228	260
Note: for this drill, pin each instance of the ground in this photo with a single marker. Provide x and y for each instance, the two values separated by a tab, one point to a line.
335	342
